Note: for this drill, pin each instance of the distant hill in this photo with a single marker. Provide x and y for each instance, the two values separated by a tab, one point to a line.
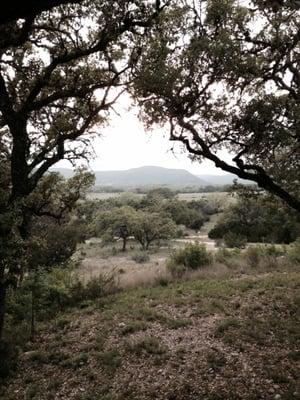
151	176
142	176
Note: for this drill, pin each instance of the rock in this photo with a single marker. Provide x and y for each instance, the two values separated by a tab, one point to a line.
277	397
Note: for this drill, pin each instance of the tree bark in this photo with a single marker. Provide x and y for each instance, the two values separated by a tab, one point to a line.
32	328
124	244
2	308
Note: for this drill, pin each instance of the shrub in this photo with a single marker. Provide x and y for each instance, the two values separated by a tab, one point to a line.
232	239
265	256
177	271
253	256
222	255
294	251
141	257
191	257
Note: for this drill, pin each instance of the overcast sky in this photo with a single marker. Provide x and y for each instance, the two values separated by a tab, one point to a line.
124	144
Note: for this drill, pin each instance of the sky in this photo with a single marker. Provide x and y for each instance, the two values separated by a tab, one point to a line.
125	144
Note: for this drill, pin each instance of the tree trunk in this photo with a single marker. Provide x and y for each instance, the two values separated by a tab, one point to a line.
32	328
124	244
2	308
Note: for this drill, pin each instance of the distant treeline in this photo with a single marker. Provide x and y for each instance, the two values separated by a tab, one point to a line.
175	190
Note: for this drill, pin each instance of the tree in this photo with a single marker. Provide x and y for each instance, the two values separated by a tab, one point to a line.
114	223
225	75
149	226
257	218
19	9
183	214
51	237
61	71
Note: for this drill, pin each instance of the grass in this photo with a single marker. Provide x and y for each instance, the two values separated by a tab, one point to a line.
110	361
147	345
190	338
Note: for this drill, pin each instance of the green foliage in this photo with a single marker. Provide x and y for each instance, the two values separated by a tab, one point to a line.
193	256
222	255
294	251
109	360
263	255
259	219
116	222
149	227
253	256
244	116
184	213
53	292
123	222
232	239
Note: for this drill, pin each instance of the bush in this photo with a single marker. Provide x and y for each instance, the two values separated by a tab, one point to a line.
222	255
191	257
54	292
100	286
294	251
266	256
253	256
232	239
141	257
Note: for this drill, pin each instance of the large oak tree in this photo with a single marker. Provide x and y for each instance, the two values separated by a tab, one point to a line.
63	65
225	74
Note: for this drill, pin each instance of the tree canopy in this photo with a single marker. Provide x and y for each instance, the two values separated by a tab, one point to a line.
63	65
225	75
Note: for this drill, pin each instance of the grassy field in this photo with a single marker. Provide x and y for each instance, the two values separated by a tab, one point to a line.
208	338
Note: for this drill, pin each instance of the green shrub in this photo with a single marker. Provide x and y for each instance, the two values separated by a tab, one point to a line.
222	255
253	255
100	286
141	257
294	251
232	239
272	250
53	292
177	271
193	256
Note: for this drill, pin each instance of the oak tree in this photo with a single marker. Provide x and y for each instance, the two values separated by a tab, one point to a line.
224	75
63	65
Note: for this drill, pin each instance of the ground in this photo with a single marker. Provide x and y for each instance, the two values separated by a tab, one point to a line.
227	332
208	338
97	259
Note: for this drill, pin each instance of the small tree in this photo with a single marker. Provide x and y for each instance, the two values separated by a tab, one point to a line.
116	222
51	234
148	227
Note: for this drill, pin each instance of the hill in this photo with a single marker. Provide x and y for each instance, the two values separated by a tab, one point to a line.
152	176
143	176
